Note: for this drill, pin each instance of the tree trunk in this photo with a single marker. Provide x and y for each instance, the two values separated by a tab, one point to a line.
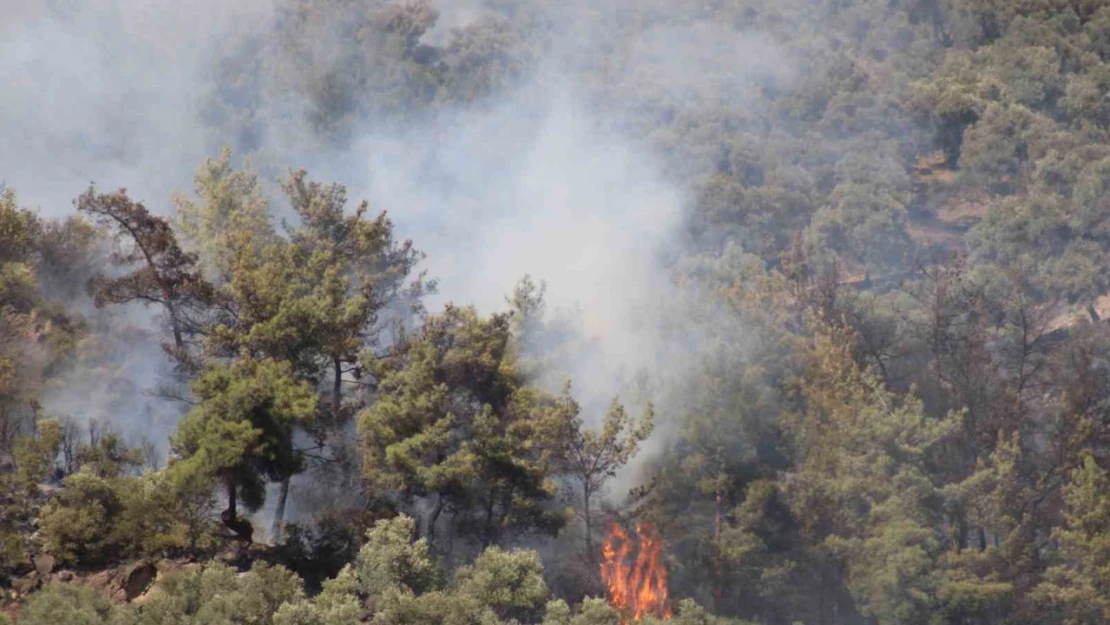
337	389
175	325
506	507
717	589
591	557
231	510
279	512
1093	313
821	597
962	533
242	527
488	539
434	518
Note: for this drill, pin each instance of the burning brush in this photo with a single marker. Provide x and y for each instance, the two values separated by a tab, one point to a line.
637	586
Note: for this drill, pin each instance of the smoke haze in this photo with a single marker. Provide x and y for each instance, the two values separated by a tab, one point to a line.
550	181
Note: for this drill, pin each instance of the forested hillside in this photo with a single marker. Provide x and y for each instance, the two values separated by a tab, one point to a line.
555	312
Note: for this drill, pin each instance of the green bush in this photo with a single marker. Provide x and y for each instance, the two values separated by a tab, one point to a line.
218	595
96	520
72	605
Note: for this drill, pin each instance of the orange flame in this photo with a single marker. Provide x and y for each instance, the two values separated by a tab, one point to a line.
639	589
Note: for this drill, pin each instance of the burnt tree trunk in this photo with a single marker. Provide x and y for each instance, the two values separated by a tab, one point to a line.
717	587
279	511
230	517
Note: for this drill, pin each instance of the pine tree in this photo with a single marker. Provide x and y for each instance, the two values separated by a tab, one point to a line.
241	430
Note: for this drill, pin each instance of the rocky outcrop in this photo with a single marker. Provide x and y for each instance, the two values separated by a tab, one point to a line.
121	584
135	582
44	564
136	579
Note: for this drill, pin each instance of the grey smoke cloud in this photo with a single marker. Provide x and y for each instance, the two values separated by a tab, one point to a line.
550	194
106	90
544	182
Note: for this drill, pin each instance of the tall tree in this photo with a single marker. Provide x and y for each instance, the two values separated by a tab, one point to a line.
359	273
454	424
241	430
1077	587
227	203
863	449
161	272
593	457
318	297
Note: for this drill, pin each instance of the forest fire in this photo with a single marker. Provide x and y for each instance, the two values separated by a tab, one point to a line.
637	587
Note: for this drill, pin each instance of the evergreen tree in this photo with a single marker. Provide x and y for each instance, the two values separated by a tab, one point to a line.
453	422
241	430
161	272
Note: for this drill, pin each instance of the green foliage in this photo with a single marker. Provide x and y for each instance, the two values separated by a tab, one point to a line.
108	457
312	299
593	457
65	603
485	58
337	604
509	585
216	594
160	271
35	456
38	337
242	428
690	613
79	523
1079	592
391	559
96	520
319	550
229	204
19	228
866	218
454	422
315	298
595	612
105	514
875	466
869	429
396	580
11	551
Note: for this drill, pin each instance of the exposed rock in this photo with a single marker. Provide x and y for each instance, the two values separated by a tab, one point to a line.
100	581
26	585
65	576
145	598
44	564
166	568
24	566
137	578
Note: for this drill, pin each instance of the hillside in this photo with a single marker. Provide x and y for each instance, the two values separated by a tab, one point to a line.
475	312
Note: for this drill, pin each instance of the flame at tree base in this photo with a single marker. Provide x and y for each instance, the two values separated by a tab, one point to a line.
637	587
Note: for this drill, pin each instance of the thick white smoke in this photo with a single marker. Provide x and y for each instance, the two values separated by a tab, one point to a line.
108	90
544	182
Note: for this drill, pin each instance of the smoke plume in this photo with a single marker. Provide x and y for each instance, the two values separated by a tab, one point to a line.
548	177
